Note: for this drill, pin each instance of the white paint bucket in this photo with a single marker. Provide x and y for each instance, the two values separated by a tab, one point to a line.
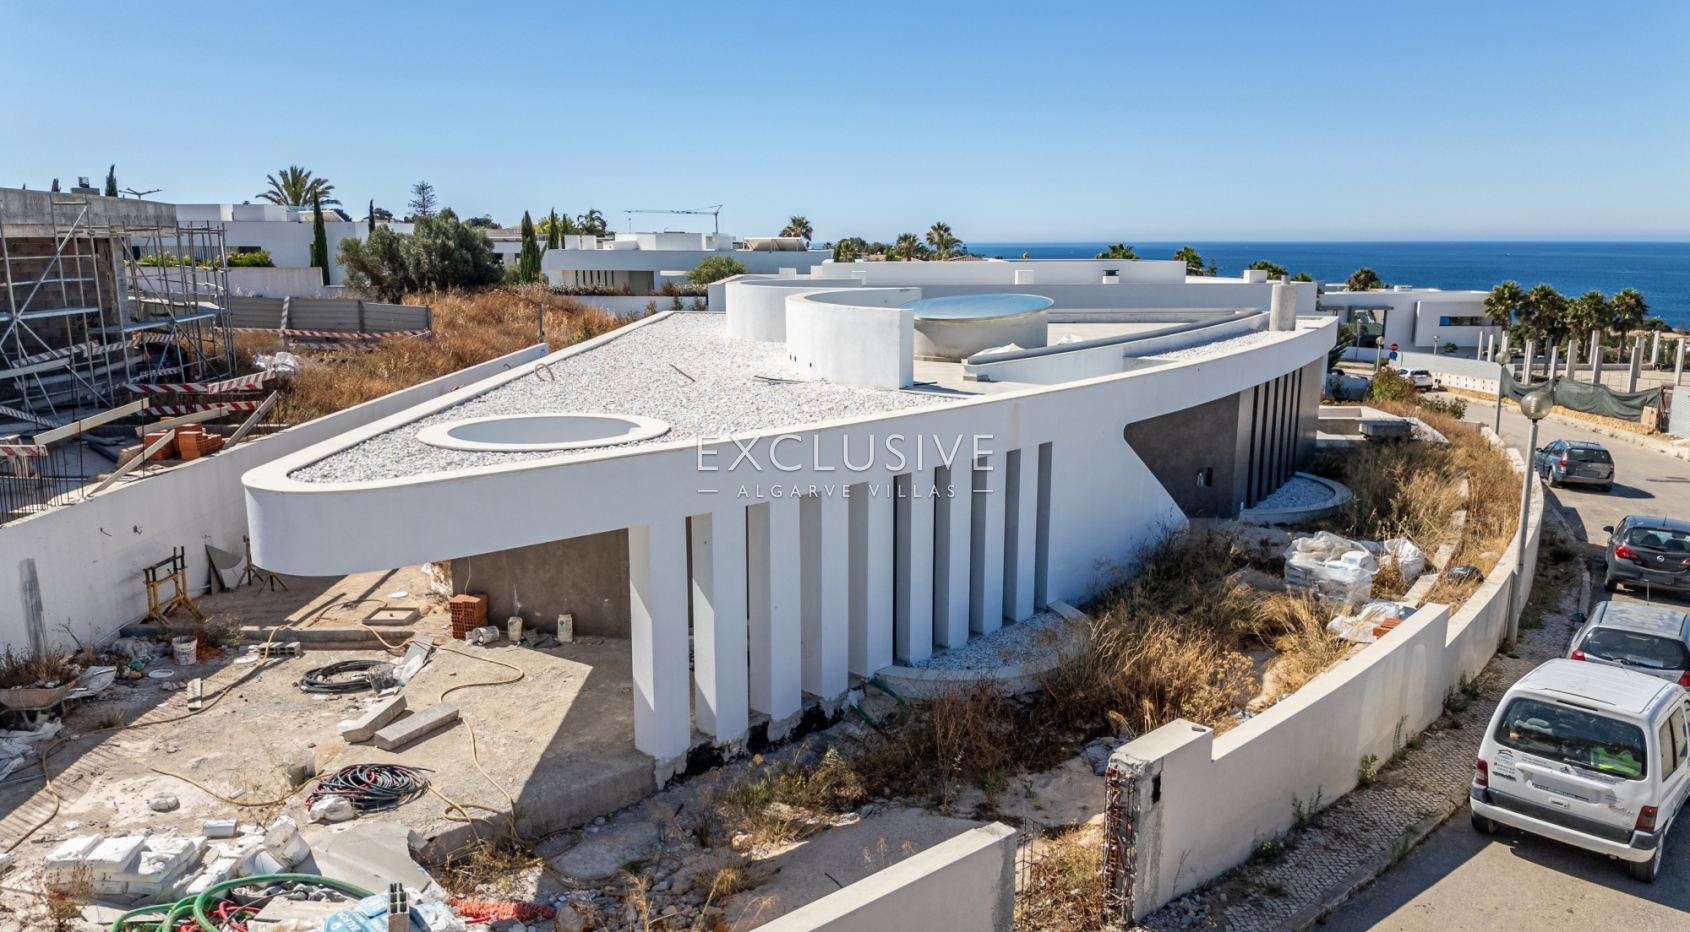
283	843
513	628
187	651
301	765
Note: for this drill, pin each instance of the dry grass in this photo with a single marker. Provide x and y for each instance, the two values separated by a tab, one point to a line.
64	904
26	670
486	868
469	328
1064	888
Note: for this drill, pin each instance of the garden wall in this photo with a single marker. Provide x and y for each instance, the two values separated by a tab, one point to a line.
1193	805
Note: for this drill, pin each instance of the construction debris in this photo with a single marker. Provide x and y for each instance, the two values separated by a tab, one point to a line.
406	730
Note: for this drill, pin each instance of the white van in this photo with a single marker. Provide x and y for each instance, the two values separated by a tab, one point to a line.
1590	755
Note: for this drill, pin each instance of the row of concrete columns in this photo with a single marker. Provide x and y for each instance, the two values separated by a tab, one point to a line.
1595	359
793	595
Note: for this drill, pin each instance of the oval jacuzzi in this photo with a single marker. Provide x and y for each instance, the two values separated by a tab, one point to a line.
958	326
529	433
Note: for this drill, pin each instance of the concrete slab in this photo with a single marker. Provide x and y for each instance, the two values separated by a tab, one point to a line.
365	726
602	853
417	726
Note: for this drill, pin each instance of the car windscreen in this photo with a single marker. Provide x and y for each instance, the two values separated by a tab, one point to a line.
1573	736
1649	651
1588	455
1660	538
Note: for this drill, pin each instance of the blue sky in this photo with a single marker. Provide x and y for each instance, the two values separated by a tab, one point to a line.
1012	122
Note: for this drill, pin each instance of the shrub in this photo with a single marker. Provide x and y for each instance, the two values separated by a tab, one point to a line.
1454	406
441	255
714	269
257	259
1388	385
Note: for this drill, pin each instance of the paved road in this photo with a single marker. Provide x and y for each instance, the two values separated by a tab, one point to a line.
1460	880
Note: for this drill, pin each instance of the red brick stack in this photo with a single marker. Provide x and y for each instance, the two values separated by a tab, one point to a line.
468	611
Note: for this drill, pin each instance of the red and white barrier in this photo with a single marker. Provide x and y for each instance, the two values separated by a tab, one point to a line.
195	409
245	383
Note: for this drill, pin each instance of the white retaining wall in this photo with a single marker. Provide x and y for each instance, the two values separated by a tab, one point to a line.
88	555
1205	802
966	884
625	305
1474	375
861	337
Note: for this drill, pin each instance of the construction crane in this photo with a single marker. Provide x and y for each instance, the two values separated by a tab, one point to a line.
715	213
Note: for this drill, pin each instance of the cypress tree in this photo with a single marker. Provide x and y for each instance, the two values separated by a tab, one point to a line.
528	262
372	215
111	181
319	238
554	236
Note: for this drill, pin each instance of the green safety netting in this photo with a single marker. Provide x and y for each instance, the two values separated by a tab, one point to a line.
1585	397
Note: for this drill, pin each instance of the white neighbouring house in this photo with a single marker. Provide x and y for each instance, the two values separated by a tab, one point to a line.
644	262
286	234
788	512
1416	319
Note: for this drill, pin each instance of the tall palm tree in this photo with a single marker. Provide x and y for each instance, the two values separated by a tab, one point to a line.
1543	309
1364	279
907	247
799	227
592	222
1589	311
944	244
1192	258
1503	303
1629	309
297	188
1118	251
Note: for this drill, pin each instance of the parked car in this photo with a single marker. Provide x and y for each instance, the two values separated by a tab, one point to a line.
1649	552
1581	462
1422	378
1589	755
1652	639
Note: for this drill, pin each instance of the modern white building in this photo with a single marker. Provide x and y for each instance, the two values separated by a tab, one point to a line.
284	232
1415	319
643	262
775	500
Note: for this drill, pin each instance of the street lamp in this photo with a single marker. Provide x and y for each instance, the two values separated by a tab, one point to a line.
1535	407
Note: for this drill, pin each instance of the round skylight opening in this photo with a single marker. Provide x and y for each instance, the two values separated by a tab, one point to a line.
530	433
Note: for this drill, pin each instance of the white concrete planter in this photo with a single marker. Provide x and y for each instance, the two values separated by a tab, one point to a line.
1286	516
1014	679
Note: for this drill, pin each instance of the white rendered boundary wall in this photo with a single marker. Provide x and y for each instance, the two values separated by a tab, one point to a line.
966	884
1200	804
88	555
863	336
1475	375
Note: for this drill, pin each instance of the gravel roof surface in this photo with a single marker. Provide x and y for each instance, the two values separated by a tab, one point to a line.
636	373
1220	347
1298	493
1033	639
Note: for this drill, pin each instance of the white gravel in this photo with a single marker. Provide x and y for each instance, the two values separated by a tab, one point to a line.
636	373
1220	347
1034	639
1298	493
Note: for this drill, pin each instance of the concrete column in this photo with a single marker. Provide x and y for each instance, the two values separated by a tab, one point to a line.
825	553
1502	344
912	629
657	586
1573	359
1596	357
872	564
776	646
1678	366
1655	351
952	552
1526	368
985	573
1282	307
1636	364
719	625
1020	535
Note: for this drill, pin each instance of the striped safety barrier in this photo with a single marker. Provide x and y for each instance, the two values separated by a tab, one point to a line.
245	383
195	409
339	334
22	449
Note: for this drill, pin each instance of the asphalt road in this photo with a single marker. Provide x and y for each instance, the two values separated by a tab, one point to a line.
1460	880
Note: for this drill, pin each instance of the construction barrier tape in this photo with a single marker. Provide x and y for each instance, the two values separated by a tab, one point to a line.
340	334
194	409
245	383
22	449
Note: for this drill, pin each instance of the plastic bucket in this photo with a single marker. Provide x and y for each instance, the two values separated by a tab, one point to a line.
513	629
187	650
283	843
301	765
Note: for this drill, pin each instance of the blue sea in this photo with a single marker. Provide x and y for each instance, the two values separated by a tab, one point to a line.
1660	270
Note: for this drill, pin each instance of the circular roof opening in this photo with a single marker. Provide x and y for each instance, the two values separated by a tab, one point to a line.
528	433
978	306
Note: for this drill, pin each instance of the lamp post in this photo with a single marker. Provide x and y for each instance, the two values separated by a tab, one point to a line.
1535	407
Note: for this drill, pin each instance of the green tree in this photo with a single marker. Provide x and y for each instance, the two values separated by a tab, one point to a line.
1587	312
554	235
370	220
908	247
1274	269
296	187
1503	304
944	245
1364	279
528	261
422	200
443	253
1629	309
1302	277
799	227
1118	251
714	269
592	223
111	181
1544	310
319	238
849	248
1193	261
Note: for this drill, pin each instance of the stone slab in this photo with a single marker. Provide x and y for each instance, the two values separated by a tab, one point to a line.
601	854
409	729
365	726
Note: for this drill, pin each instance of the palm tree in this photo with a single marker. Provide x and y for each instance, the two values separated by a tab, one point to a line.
944	244
1629	309
1274	269
1545	310
1118	251
1192	258
1503	305
1589	311
908	246
800	228
1364	279
297	188
592	222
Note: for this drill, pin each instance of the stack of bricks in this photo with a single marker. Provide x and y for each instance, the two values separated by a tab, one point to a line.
468	611
192	442
166	452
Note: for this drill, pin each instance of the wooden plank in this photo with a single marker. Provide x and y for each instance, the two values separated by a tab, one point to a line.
171	423
90	422
252	421
123	470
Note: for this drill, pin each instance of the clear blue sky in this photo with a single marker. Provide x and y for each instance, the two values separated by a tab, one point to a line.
1015	121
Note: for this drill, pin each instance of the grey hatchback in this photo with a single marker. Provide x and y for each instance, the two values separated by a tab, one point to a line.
1647	638
1575	461
1648	552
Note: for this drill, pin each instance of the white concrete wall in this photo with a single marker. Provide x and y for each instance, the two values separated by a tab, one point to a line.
1044	272
281	283
88	556
1053	365
756	307
672	260
1411	317
966	884
859	337
1220	798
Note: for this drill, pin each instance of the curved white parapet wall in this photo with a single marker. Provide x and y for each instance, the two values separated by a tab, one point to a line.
857	337
757	307
958	326
526	433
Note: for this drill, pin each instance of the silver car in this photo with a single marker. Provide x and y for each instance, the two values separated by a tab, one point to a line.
1649	639
1575	462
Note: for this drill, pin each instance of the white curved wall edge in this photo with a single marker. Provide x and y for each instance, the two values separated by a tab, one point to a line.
756	307
860	336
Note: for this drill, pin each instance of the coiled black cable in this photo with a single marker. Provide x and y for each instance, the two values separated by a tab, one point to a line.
366	674
372	787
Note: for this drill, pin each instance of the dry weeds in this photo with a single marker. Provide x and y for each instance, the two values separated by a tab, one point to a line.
1064	889
24	669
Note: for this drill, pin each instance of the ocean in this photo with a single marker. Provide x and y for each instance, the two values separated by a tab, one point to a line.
1660	270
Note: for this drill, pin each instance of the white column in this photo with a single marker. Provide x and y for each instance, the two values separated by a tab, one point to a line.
1572	360
1554	359
1596	357
872	506
1636	366
719	624
985	596
952	553
1526	369
776	646
912	638
825	551
1020	535
1678	366
1655	350
657	585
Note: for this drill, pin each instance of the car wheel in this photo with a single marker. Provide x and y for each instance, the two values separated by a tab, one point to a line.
1605	488
1483	825
1608	584
1646	871
1554	483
